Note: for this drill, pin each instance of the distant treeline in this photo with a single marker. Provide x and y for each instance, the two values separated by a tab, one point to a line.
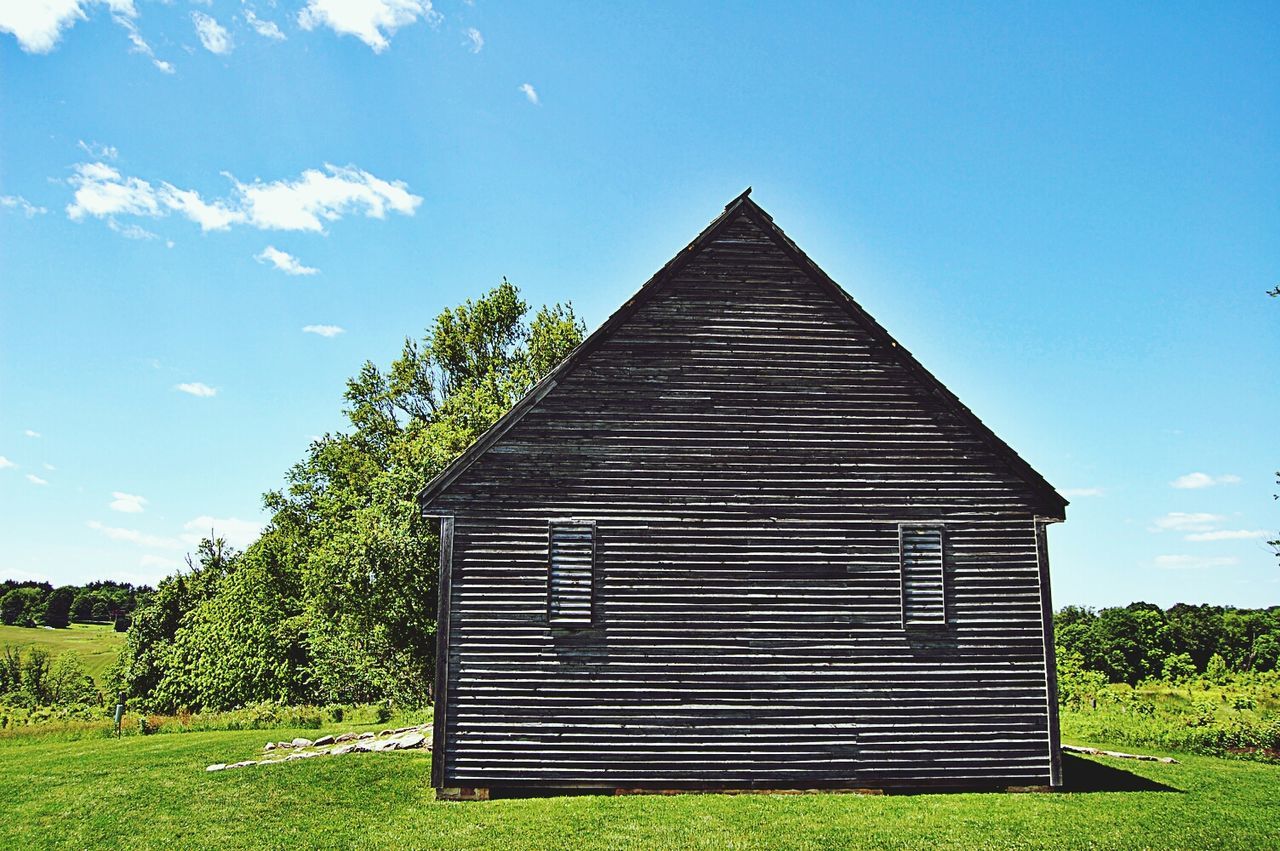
41	604
1143	641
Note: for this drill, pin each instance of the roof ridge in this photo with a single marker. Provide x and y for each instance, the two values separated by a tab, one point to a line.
1054	502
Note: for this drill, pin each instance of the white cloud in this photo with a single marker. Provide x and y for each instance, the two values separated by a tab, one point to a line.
5	463
1081	492
1203	480
31	433
213	35
1185	562
133	536
127	502
48	466
17	202
324	330
238	533
1181	521
196	388
1228	535
531	93
139	43
38	24
97	151
284	261
371	21
304	204
101	191
209	215
315	197
474	41
35	480
266	29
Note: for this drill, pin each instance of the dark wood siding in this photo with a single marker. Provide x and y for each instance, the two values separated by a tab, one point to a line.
748	452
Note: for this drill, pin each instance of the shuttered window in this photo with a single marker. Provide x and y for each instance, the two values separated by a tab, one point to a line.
571	567
924	593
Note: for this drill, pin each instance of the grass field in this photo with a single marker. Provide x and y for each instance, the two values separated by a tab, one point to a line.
96	644
153	792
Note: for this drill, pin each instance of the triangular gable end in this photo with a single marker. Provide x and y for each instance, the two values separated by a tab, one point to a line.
1052	506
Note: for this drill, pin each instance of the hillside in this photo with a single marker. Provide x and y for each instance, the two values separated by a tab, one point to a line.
96	644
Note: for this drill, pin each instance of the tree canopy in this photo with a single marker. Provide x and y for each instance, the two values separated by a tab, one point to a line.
336	601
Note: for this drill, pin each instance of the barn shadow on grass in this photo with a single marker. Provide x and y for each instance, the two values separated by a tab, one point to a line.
1085	775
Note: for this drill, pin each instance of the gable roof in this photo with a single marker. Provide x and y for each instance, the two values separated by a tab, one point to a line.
1052	503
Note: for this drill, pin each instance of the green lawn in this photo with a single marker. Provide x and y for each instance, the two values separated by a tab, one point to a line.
96	644
153	792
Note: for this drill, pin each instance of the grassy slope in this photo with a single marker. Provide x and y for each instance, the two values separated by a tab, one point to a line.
97	644
152	792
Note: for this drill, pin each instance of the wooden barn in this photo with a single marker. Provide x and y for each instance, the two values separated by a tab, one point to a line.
741	539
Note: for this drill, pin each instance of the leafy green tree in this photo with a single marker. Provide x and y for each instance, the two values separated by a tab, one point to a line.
1178	668
57	608
336	601
1216	670
22	606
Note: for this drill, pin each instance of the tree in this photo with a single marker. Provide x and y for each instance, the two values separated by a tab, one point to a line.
1178	668
22	606
57	607
336	600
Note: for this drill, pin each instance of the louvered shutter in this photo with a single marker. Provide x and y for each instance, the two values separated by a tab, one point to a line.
923	585
571	568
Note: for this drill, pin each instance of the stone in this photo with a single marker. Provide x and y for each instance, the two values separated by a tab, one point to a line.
341	749
347	737
386	732
323	740
242	764
386	745
301	743
269	746
404	730
366	736
365	747
217	766
284	744
410	740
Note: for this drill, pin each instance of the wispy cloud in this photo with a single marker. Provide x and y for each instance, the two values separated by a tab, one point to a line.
1181	521
134	536
531	93
197	388
284	261
131	231
31	433
35	480
139	43
266	29
98	151
324	330
371	21
5	463
1229	535
213	35
127	503
238	533
475	41
305	204
1082	492
22	205
1193	481
1186	562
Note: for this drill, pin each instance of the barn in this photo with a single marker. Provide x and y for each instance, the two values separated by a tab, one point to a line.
741	539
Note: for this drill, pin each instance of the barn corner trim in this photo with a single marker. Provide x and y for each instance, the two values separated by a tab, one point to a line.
1050	508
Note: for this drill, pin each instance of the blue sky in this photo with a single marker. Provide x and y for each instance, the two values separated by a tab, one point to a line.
212	213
